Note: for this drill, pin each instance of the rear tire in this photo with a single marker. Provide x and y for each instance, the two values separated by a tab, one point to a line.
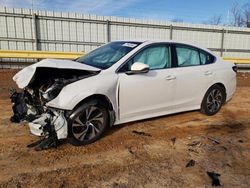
213	100
87	123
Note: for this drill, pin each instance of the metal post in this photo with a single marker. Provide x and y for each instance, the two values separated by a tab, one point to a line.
222	42
108	30
34	18
171	32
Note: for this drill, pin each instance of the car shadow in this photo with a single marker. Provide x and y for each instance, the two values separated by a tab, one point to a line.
115	128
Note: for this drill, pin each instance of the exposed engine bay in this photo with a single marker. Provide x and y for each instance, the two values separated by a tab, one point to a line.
30	105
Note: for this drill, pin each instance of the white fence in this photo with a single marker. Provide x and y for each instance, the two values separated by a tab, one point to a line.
25	29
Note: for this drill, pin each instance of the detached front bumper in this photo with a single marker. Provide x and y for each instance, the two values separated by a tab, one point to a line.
52	120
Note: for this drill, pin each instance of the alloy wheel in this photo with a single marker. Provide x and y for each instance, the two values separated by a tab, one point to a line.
214	100
88	123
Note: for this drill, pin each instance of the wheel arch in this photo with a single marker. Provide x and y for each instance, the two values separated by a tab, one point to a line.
104	100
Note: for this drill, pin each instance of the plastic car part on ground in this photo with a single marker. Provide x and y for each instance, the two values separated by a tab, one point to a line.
215	178
190	163
44	143
141	133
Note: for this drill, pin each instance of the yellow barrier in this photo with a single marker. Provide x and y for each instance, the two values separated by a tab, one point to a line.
25	54
39	54
237	60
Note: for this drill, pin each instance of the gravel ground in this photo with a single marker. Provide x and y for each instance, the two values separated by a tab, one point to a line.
122	158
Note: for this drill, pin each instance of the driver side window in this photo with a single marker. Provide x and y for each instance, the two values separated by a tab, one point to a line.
156	57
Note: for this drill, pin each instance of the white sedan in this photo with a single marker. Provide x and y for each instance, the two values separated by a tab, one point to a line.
120	82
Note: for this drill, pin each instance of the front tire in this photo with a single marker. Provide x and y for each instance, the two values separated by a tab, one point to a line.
213	100
87	123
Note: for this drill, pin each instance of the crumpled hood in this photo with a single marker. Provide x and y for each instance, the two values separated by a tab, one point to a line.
23	77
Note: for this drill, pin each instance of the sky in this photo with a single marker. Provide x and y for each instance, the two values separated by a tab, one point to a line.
192	11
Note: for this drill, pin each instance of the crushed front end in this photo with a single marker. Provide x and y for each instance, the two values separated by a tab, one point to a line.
47	123
29	105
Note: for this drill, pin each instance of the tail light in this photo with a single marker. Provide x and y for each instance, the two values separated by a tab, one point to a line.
235	68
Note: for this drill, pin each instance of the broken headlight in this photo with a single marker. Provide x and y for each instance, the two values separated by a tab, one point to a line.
51	91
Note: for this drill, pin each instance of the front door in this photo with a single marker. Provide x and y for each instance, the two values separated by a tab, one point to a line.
147	94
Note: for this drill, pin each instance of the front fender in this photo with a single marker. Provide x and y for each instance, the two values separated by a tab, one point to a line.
67	101
74	93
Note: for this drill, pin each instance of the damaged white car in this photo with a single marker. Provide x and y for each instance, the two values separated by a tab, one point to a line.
119	82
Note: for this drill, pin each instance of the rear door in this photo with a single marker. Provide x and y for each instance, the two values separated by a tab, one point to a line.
193	76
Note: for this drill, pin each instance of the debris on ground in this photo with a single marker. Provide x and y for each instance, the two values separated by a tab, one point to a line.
241	141
214	140
215	178
193	146
190	163
195	143
173	140
45	143
193	150
141	133
50	140
130	150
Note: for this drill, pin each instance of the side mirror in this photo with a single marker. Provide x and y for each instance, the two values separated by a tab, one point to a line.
138	68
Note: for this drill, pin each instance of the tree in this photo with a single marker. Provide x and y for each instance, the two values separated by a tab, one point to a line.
237	15
215	20
246	15
241	15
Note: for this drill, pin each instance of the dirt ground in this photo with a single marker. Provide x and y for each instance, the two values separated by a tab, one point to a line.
220	143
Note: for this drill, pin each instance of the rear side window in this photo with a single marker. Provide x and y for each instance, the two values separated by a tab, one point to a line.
206	58
187	56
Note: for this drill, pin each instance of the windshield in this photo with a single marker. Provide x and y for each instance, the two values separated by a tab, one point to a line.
107	55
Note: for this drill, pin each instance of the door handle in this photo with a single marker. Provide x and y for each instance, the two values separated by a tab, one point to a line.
170	77
207	73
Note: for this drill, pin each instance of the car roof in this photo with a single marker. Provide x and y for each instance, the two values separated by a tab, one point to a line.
158	41
145	42
179	42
